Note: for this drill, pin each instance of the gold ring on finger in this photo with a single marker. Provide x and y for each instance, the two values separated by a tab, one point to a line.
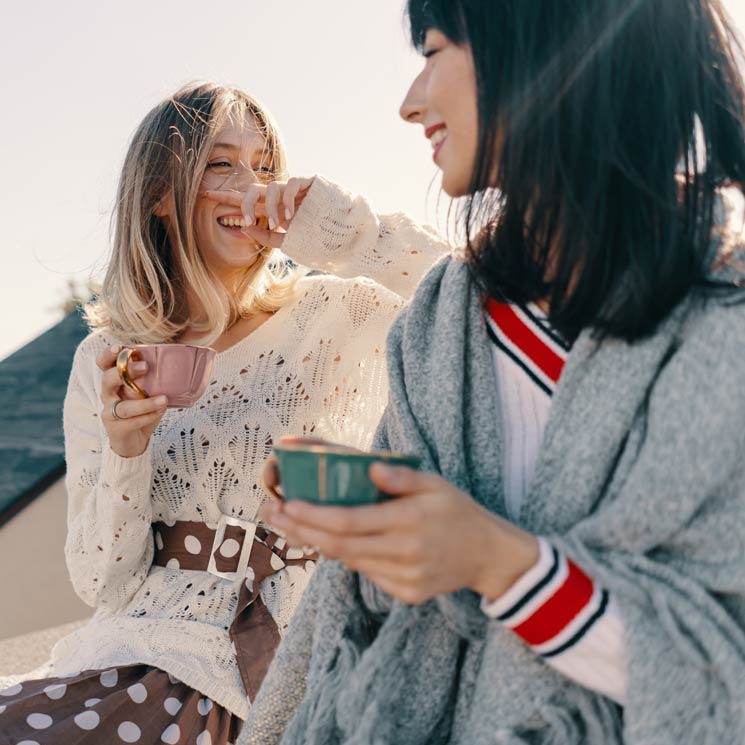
113	411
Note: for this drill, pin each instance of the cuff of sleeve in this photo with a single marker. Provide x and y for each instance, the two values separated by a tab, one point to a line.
307	239
523	585
127	473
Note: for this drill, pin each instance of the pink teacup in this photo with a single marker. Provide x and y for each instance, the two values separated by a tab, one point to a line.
179	371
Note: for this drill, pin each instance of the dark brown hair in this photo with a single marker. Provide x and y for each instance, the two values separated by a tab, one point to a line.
606	129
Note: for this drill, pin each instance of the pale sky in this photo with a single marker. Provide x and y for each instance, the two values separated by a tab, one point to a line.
79	76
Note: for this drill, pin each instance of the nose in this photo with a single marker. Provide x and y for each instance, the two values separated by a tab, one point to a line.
241	177
413	107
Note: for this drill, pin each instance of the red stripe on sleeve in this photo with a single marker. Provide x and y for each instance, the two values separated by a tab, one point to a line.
523	337
556	613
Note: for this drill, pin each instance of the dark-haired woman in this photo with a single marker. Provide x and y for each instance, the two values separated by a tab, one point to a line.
569	567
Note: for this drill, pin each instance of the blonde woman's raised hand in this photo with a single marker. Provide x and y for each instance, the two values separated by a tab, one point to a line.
129	424
276	201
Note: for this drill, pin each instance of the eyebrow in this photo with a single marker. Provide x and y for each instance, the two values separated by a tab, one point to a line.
263	153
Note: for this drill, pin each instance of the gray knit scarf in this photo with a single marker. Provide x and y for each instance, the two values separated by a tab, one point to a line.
641	479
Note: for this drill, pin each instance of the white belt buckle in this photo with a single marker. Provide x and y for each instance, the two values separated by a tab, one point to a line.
248	541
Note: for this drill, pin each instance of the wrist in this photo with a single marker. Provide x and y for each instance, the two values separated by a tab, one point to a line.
507	553
128	450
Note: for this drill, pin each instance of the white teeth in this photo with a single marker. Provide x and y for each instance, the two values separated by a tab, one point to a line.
438	137
232	222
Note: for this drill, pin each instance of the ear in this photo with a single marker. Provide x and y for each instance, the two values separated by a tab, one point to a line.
164	207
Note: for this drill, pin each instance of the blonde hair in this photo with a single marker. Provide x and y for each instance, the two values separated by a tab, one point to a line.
150	275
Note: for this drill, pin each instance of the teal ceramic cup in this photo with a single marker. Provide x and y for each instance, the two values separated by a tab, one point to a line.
326	474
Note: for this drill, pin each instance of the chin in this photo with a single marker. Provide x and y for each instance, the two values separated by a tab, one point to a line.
454	188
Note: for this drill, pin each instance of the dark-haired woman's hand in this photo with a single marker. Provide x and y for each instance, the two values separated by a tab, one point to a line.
432	539
129	424
268	209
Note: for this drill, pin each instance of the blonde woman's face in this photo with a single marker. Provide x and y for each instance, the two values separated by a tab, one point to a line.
238	159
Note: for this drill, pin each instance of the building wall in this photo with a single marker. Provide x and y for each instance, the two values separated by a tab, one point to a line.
35	590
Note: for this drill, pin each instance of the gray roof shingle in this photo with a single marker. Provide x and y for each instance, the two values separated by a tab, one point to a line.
33	382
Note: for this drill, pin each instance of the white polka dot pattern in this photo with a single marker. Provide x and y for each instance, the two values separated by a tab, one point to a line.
129	732
171	735
56	691
39	721
137	692
192	544
204	706
12	691
173	564
230	547
87	720
109	678
141	708
172	706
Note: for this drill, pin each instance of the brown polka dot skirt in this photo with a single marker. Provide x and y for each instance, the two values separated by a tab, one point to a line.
132	704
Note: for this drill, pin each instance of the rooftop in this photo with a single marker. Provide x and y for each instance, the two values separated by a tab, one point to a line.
33	382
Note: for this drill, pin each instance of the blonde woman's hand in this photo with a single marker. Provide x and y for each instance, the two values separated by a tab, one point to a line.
135	421
276	201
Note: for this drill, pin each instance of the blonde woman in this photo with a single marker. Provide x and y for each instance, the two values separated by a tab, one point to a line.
155	493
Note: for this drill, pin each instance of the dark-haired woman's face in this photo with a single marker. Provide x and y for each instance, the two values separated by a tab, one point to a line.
443	100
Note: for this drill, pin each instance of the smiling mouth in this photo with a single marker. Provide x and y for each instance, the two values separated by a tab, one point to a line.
438	138
232	222
438	143
436	135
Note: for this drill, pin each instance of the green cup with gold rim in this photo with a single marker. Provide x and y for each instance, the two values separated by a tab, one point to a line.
333	475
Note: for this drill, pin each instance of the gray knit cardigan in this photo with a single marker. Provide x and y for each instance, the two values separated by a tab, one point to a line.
641	480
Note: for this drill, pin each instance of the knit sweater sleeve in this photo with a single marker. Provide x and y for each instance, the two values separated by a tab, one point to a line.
339	233
568	619
109	545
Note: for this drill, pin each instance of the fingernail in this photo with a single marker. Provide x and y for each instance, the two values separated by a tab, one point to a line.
139	366
289	212
114	350
381	469
161	400
272	223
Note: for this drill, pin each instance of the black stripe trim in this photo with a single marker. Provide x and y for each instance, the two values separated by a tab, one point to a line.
534	590
516	359
545	328
590	623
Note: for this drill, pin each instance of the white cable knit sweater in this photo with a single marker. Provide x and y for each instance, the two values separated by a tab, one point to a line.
316	367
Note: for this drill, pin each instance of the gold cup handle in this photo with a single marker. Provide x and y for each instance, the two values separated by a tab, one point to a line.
270	462
122	366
